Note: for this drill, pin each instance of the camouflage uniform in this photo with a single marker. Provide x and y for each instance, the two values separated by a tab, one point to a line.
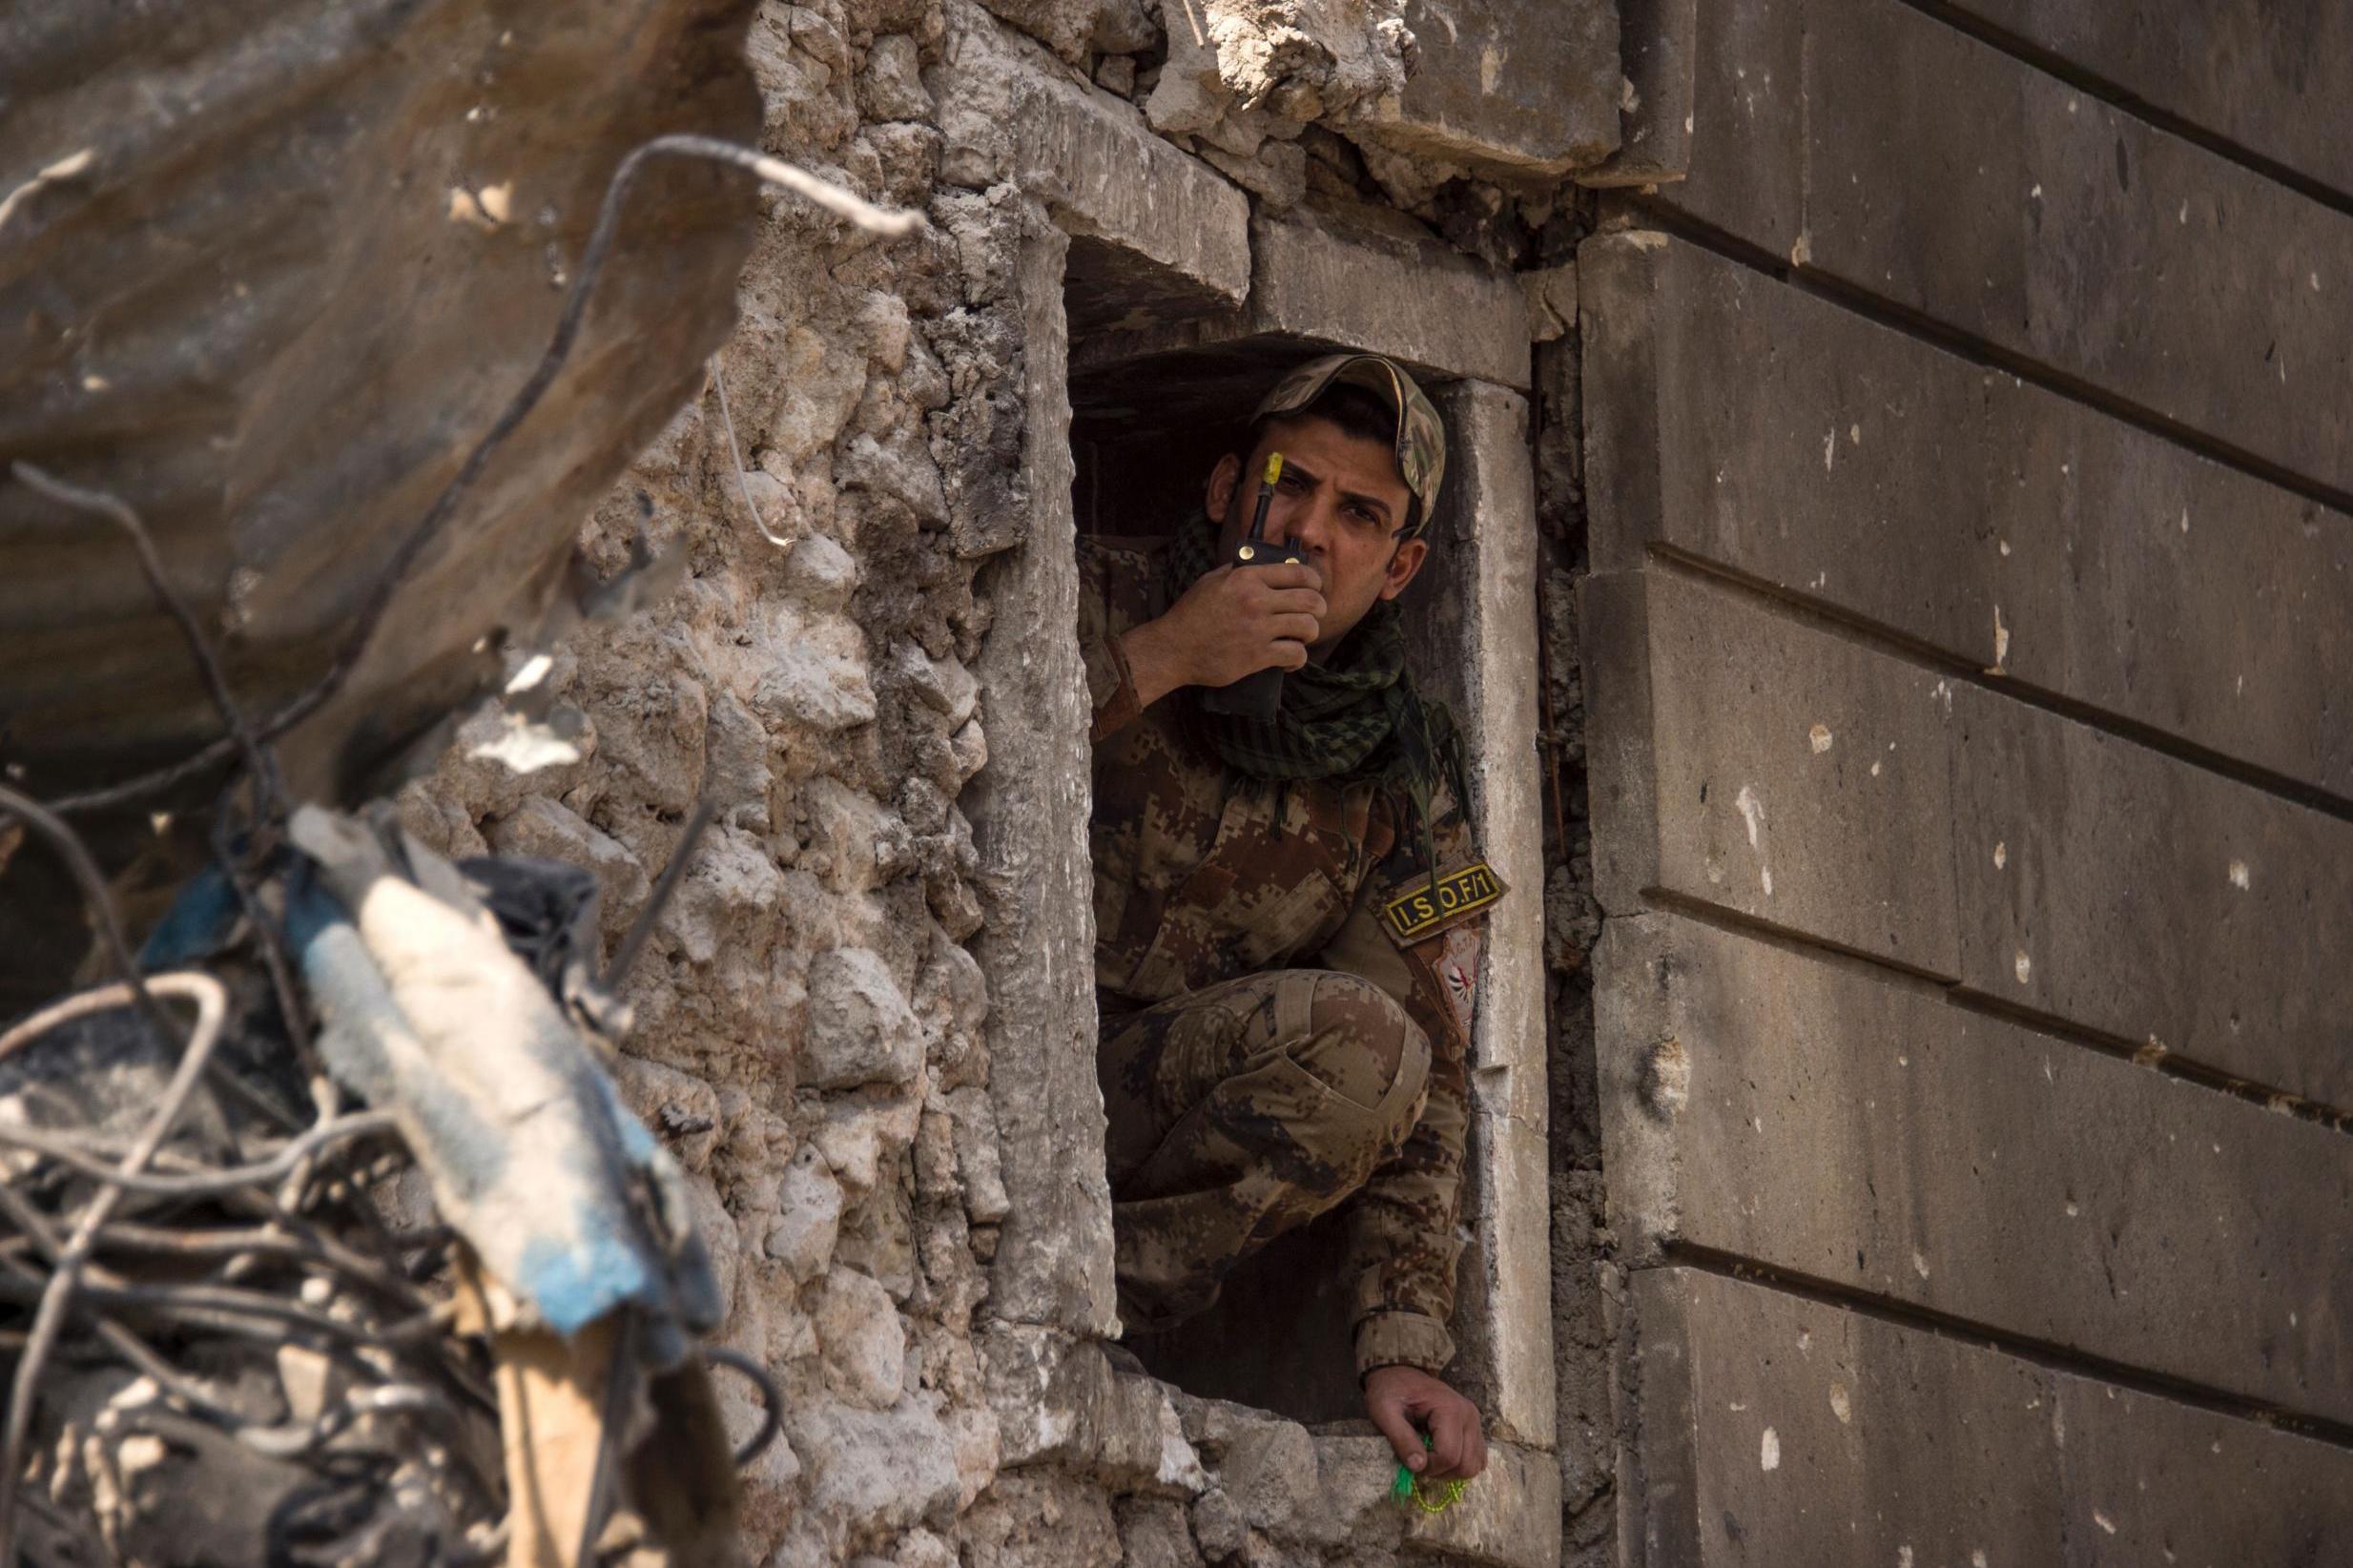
1286	1007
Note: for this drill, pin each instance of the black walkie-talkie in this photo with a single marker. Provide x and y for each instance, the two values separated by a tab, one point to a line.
1260	694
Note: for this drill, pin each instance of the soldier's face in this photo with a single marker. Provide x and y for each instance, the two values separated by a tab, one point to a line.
1341	501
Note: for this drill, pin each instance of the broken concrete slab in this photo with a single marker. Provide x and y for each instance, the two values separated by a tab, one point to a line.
1524	92
1954	181
1743	760
2271	80
1772	1430
2147	898
1742	422
1858	1128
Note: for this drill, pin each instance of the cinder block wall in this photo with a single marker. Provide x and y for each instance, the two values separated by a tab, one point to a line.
1966	651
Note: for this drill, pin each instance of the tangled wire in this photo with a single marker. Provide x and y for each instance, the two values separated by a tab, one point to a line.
203	1239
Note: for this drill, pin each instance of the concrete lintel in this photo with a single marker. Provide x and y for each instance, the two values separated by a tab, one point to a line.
1420	302
1104	174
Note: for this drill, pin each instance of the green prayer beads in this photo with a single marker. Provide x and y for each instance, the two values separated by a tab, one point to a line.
1408	1488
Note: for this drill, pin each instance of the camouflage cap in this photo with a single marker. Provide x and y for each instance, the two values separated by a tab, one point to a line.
1422	438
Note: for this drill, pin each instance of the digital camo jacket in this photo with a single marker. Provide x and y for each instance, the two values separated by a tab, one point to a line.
1196	883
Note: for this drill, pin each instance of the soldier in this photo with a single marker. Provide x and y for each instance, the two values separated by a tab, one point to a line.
1288	911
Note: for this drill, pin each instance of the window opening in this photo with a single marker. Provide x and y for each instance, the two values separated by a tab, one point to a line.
1146	431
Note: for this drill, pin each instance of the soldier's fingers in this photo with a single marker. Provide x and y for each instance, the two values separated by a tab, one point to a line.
1303	601
1388	1414
1292	575
1475	1460
1299	628
1289	655
1447	1441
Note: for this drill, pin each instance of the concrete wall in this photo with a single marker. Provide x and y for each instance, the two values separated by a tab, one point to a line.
1965	657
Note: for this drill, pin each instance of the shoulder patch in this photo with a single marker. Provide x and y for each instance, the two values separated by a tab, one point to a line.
1423	910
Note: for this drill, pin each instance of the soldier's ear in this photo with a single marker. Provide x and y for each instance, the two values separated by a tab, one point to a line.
1221	480
1404	566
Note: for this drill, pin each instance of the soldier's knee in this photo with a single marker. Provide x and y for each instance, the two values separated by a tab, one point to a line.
1360	1042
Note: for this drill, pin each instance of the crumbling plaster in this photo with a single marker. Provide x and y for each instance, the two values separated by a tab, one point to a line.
865	1022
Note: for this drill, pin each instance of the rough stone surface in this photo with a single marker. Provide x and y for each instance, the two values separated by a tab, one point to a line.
1053	1262
1777	437
1852	1127
1104	174
1746	761
1933	172
548	830
2145	897
2272	80
1238	73
860	1027
865	1021
1073	28
814	1036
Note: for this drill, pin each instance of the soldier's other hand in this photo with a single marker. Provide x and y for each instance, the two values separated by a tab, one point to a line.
1239	620
1406	1401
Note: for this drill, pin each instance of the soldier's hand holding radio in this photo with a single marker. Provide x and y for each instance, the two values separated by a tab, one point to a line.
1232	623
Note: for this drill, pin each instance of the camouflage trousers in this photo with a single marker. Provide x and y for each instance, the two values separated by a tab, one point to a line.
1241	1111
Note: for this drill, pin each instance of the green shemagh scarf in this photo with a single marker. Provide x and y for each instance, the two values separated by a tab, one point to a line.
1355	716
